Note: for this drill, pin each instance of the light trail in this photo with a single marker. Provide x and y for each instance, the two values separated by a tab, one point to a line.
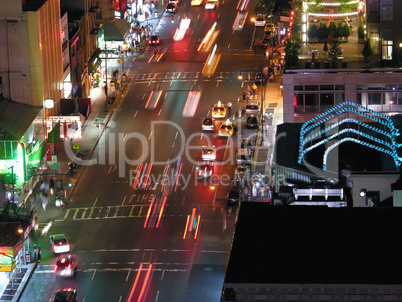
137	277
149	212
137	176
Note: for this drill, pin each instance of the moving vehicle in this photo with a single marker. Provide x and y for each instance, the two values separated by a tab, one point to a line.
259	21
207	124
172	8
154	40
227	129
66	295
59	244
65	265
205	169
208	152
252	108
219	110
196	2
210	4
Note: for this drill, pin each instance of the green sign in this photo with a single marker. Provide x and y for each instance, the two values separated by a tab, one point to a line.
35	158
54	167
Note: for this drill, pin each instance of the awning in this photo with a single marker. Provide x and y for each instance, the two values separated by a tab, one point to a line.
117	30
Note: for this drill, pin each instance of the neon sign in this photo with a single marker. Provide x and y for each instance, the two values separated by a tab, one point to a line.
313	134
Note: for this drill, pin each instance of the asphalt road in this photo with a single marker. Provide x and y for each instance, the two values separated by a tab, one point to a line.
143	228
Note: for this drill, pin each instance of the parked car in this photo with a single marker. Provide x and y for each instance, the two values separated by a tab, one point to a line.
252	108
233	196
172	8
244	157
259	21
259	76
252	121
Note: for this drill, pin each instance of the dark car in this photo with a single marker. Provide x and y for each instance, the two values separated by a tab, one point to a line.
259	76
171	8
66	295
252	121
247	143
207	124
233	196
154	40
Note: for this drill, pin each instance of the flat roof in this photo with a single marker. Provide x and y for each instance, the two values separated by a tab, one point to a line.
316	245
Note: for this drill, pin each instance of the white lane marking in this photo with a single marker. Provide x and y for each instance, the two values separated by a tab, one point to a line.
149	137
93	274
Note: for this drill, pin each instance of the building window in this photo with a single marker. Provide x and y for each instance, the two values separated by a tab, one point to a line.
390	98
298	102
373	7
386	49
8	149
387	10
311	101
373	98
326	101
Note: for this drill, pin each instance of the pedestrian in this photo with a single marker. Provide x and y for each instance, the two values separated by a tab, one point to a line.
35	252
244	95
39	254
229	104
255	48
254	87
248	89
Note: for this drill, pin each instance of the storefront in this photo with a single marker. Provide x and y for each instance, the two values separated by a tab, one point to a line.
15	252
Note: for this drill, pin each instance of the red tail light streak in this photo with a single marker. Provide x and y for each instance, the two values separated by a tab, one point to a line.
139	294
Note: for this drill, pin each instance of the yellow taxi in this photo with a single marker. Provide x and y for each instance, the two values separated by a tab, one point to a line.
227	129
196	2
219	110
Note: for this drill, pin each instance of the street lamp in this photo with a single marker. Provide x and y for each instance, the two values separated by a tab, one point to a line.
49	103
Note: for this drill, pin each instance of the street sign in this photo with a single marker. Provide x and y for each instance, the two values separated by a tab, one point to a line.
54	166
54	159
119	61
76	146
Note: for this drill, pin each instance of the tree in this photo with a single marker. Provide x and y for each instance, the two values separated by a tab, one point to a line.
335	51
322	31
367	49
312	30
264	7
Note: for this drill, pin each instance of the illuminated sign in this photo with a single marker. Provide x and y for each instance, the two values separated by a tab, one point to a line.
321	129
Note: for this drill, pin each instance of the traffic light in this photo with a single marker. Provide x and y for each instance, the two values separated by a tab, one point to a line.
172	19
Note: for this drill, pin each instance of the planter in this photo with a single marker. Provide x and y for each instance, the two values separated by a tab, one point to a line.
367	59
334	64
361	41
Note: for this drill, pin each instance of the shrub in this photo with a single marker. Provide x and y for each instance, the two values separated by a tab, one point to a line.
360	31
367	49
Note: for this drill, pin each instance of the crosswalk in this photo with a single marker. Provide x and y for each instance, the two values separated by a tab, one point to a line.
174	76
107	212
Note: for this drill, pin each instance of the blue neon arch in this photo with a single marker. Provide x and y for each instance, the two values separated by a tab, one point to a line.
386	142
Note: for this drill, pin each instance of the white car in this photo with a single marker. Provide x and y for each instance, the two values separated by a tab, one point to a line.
259	21
210	4
59	244
252	108
208	153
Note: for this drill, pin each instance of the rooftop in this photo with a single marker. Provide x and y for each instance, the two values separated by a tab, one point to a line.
315	245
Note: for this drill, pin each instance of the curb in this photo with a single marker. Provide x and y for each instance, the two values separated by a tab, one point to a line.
24	283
